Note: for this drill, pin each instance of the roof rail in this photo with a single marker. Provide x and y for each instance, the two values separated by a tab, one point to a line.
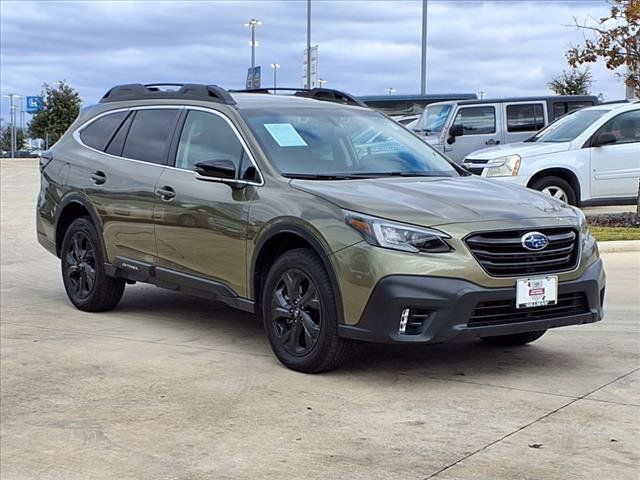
152	91
323	94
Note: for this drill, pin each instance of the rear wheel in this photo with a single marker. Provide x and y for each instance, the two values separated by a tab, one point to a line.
299	313
514	340
556	187
83	274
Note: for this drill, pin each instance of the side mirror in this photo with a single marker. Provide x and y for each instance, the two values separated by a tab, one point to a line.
216	169
454	131
605	138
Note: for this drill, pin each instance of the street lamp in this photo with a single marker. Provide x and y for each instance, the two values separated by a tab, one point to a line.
390	90
252	24
321	82
275	67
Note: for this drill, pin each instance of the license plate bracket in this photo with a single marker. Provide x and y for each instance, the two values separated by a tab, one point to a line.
537	291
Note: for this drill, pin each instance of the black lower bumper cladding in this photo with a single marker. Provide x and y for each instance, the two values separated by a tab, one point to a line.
457	309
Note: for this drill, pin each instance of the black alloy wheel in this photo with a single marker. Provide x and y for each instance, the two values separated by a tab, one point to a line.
81	265
83	269
300	313
296	312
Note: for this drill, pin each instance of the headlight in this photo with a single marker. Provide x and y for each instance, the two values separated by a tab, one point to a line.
397	236
585	234
504	166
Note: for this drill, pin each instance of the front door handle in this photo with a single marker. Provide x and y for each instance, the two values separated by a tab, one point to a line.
166	193
98	177
491	141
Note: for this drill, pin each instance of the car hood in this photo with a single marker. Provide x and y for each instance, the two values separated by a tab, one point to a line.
524	149
437	201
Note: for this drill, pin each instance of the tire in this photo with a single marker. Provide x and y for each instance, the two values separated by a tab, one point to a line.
83	274
556	187
514	340
299	314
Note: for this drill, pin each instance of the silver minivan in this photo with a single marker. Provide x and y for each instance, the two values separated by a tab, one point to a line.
460	127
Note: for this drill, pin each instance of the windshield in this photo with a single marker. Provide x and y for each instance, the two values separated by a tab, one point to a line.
567	128
342	143
434	118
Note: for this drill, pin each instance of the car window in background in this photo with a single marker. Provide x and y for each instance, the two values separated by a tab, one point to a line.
625	127
568	128
98	133
527	117
434	118
150	134
476	120
342	142
206	136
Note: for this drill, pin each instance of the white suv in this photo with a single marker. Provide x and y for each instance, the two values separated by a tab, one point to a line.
590	156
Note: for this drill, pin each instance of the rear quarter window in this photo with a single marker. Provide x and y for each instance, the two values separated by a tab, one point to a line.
98	133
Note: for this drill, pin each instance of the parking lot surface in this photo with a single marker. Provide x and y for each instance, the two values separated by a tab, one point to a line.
173	387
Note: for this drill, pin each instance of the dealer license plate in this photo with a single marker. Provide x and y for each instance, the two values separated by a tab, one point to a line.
537	291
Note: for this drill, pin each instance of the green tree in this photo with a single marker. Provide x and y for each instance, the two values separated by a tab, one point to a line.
572	82
61	107
5	139
616	40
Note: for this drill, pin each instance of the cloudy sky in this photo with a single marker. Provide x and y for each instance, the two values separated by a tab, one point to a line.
502	48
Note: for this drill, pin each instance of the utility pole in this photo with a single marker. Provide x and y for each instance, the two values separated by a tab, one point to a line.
252	24
308	86
423	69
321	82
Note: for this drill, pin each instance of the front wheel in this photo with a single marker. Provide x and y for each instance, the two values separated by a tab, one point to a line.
556	187
513	340
299	313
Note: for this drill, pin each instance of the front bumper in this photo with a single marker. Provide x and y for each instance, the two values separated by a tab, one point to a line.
449	304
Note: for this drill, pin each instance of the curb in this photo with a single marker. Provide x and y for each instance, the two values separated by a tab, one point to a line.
615	246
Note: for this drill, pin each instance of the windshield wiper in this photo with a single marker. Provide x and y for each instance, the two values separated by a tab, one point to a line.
397	174
318	176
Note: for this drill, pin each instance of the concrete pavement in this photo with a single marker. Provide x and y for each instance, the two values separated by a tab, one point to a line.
171	387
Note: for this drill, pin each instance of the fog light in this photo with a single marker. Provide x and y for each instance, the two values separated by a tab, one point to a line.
404	319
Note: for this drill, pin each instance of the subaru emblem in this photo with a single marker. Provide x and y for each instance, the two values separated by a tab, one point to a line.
534	241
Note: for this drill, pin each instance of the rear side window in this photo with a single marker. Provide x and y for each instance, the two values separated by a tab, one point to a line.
476	120
98	133
117	142
150	134
527	117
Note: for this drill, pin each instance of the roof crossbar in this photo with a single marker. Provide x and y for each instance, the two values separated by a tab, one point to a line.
152	91
323	94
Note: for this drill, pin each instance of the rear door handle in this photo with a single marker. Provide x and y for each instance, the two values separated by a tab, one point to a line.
98	177
166	193
491	141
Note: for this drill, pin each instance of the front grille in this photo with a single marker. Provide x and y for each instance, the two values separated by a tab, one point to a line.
502	254
496	312
474	165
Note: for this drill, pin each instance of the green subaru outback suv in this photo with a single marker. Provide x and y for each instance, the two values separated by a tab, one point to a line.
330	221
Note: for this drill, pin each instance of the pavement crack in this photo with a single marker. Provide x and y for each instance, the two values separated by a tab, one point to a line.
546	415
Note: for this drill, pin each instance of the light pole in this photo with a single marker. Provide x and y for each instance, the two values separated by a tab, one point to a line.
390	90
321	82
275	67
252	24
423	69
